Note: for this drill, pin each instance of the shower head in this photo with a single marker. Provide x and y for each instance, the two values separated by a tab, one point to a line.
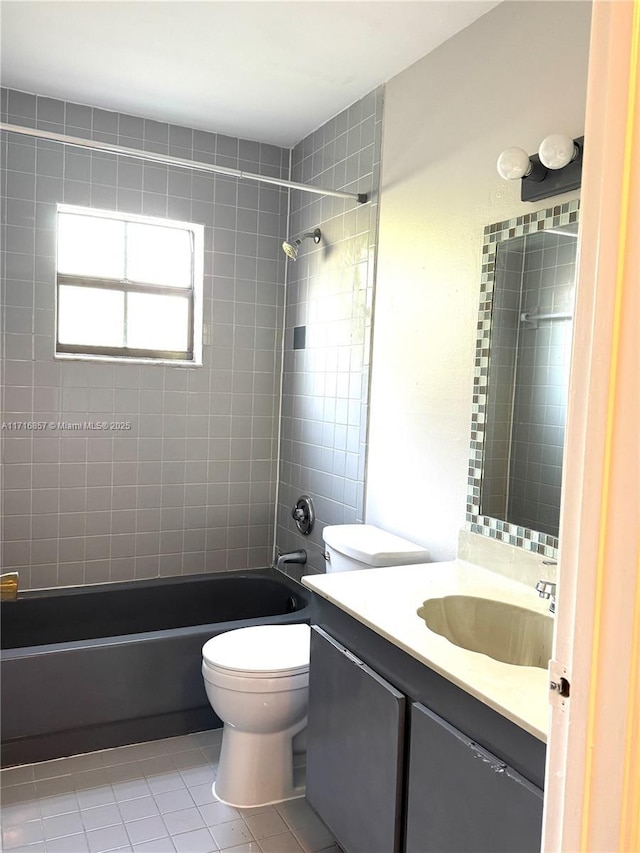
290	248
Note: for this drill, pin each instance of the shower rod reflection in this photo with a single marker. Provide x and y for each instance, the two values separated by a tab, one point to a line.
178	162
533	317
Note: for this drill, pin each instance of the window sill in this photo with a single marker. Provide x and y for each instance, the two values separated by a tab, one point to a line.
112	359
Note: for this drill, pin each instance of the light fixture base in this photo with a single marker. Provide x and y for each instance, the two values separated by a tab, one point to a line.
555	181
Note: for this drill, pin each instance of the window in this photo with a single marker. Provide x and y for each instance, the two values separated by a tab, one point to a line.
128	286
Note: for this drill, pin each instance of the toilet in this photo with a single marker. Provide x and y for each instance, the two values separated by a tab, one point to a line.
257	680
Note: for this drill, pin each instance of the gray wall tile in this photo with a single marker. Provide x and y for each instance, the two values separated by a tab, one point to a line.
329	291
94	500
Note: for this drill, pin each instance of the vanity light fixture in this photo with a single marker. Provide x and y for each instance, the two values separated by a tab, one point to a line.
555	169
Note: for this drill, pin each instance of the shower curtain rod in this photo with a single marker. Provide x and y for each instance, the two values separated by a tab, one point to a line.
180	162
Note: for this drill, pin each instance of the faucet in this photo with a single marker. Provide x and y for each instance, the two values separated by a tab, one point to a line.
292	557
547	589
9	586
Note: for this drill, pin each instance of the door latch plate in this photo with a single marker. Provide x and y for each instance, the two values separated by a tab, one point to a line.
559	685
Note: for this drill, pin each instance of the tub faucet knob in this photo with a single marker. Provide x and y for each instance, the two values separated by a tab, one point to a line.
303	514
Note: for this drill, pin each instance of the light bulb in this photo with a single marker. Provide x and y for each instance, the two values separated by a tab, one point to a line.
556	151
513	163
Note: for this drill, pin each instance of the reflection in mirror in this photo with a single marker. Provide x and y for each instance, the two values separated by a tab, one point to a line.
522	372
529	378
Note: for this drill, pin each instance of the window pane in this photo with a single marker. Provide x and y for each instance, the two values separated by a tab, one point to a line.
157	322
87	315
91	246
157	255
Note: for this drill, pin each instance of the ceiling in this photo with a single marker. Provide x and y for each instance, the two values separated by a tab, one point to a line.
263	70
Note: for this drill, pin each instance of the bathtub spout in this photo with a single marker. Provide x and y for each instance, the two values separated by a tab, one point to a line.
292	557
9	586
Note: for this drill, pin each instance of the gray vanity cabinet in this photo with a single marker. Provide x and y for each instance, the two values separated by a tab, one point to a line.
462	798
354	749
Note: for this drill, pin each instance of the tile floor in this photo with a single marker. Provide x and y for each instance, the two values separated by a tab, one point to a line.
148	798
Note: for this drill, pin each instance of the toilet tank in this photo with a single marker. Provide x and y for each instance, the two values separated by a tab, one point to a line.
363	546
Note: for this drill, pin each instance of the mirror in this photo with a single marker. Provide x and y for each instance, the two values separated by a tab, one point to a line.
522	372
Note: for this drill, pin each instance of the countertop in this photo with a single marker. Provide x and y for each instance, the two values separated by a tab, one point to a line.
386	600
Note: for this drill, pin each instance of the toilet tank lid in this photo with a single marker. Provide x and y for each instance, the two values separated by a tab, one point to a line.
261	649
373	546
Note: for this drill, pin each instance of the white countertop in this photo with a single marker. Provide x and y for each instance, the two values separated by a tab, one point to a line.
386	600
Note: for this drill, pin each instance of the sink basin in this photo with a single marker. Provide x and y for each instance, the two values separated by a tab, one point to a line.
502	631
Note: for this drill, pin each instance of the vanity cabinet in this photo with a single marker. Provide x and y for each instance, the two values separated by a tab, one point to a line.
354	749
462	798
400	760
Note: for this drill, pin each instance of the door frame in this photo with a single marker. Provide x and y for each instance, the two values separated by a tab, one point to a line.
592	800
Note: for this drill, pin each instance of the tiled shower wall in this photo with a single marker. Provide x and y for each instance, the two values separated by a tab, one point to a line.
191	487
329	300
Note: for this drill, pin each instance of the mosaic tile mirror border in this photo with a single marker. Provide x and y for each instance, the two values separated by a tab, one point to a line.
522	537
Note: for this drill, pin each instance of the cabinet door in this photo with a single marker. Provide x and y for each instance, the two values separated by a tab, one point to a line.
462	799
354	749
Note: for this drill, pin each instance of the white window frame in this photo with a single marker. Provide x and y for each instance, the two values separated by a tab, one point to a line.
192	356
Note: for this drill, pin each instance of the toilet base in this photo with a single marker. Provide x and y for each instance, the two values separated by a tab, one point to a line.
298	794
258	769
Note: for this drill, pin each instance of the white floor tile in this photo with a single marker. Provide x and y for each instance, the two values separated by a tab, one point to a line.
138	808
217	812
16	775
24	792
174	801
66	824
307	827
38	847
196	841
234	832
22	834
101	816
131	789
183	821
285	843
110	838
100	796
146	798
201	794
69	844
159	845
146	829
62	804
11	815
265	824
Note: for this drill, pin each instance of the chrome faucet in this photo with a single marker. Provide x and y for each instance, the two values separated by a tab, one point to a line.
547	589
9	586
291	557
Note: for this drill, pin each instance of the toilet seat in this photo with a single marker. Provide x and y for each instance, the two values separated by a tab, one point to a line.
260	651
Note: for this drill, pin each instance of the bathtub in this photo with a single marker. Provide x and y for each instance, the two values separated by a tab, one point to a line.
103	665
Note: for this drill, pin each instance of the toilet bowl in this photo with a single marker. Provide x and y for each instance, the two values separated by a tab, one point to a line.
257	681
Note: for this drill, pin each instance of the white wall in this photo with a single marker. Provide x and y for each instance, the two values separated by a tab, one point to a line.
511	78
